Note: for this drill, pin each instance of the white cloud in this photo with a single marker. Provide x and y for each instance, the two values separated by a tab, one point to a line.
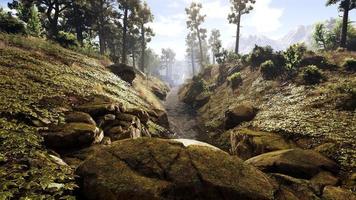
264	18
216	10
171	26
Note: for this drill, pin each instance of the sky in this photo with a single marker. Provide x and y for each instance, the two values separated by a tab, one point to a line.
271	18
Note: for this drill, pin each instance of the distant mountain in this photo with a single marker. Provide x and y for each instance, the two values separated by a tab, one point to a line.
300	34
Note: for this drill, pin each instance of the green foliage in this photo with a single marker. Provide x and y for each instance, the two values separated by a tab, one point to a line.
235	80
323	38
349	64
270	70
312	75
66	39
10	24
27	171
260	55
34	26
293	56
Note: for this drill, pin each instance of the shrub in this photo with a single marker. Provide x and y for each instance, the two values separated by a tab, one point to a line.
293	56
10	24
66	39
260	55
235	80
270	71
312	75
349	64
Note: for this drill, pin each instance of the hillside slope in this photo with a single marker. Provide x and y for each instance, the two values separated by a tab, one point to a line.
40	81
313	116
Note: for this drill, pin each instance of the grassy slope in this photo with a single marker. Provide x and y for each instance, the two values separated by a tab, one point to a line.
297	111
39	81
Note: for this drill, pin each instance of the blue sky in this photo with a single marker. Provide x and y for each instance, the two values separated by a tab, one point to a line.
271	18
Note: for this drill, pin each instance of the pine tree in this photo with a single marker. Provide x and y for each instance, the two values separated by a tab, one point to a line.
34	26
239	8
345	6
215	43
195	19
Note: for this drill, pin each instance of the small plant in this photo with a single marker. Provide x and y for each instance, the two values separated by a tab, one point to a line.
312	75
260	55
293	56
66	39
270	71
235	80
349	64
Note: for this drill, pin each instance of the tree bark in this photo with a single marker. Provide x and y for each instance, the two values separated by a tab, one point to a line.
237	45
133	59
200	48
345	22
124	36
143	46
192	59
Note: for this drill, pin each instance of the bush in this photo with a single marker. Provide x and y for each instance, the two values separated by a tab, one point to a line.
260	55
312	75
294	55
9	24
271	71
235	80
66	39
349	64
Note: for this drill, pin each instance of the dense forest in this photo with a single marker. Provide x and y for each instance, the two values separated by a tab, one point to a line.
90	108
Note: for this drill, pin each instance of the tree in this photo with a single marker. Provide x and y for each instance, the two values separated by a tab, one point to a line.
23	9
167	61
129	9
145	16
53	10
195	19
191	44
239	8
34	26
105	13
323	38
345	6
215	42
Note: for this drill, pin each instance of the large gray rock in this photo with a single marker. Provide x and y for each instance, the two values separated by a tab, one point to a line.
164	169
294	162
125	72
72	136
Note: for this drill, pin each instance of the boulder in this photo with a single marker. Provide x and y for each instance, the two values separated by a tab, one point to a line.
164	169
72	136
201	100
160	117
247	143
97	109
323	179
337	193
190	92
238	114
79	117
141	114
160	93
294	162
125	72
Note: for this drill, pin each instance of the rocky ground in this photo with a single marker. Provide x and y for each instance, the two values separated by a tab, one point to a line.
73	126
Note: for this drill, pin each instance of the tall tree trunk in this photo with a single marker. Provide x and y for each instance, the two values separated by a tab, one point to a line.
192	59
213	58
133	59
345	22
237	45
143	48
101	41
200	48
78	25
124	36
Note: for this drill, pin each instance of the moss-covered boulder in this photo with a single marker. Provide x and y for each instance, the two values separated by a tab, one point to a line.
125	72
79	117
294	162
164	169
247	143
238	114
72	136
